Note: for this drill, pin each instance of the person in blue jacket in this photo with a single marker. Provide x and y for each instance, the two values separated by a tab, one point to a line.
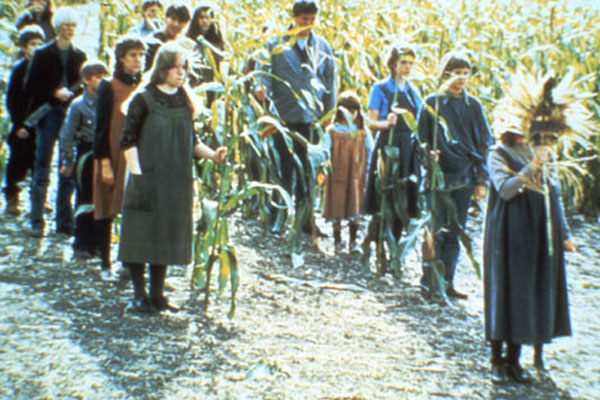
457	121
304	67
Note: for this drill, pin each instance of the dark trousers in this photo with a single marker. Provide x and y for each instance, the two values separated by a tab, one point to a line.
46	136
103	233
288	166
85	237
447	245
21	160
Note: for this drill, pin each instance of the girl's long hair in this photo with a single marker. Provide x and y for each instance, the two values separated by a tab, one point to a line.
350	101
166	58
212	33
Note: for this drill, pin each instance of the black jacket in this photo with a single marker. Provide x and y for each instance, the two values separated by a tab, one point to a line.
45	71
16	100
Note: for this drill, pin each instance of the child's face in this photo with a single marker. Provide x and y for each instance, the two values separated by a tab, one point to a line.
31	46
459	77
203	20
66	32
152	12
133	61
174	27
176	74
404	66
37	6
91	83
302	20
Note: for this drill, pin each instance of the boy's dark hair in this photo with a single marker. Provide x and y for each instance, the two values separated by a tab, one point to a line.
29	33
454	60
305	7
93	67
396	52
178	11
146	4
126	43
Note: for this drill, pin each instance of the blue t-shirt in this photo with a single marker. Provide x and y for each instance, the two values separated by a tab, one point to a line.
378	100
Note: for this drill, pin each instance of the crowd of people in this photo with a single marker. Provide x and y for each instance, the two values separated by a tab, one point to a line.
127	145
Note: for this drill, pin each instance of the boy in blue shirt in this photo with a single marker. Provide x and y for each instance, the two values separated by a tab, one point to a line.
463	136
76	137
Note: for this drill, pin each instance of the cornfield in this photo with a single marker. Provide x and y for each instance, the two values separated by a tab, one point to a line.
500	37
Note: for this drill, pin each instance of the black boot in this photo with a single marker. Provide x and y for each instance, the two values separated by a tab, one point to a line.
538	356
353	246
513	367
158	274
141	303
498	372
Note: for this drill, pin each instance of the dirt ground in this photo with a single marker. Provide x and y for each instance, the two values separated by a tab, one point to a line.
328	330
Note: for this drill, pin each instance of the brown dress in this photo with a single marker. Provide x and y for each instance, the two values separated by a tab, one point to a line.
346	182
108	198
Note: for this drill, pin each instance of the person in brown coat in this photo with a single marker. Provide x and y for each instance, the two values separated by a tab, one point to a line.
349	145
109	166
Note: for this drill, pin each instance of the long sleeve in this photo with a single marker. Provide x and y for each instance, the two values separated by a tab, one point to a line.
132	126
103	117
507	183
484	142
15	96
72	124
329	98
38	85
561	210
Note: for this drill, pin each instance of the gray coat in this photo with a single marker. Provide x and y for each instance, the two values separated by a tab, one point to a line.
525	288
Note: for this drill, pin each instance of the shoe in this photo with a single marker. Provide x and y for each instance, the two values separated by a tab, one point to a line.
81	254
123	273
455	294
65	230
37	230
162	304
354	248
142	306
107	276
498	373
12	205
307	229
518	374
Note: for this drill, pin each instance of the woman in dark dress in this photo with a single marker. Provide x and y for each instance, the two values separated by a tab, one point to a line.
159	144
387	98
525	289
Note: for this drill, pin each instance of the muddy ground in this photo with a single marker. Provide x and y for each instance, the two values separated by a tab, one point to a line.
328	330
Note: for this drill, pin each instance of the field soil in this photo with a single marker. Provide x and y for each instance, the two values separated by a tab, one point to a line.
327	330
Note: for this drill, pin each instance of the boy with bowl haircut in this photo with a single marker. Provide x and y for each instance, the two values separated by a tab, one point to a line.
463	137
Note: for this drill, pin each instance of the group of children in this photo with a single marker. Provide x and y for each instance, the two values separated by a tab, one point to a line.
98	142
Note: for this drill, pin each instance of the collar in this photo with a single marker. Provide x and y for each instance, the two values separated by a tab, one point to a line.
126	78
309	40
391	84
88	98
464	97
